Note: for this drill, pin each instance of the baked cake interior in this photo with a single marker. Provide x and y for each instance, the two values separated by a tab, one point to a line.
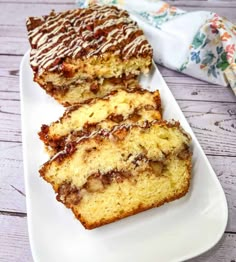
155	158
121	106
73	52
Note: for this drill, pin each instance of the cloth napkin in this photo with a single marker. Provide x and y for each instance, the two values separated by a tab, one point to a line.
200	44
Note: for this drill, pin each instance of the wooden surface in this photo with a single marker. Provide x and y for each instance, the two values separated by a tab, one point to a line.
210	110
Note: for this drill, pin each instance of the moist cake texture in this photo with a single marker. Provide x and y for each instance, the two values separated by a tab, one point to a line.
81	91
121	106
85	45
113	155
113	174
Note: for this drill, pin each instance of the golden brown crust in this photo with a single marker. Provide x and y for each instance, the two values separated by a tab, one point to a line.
89	226
174	174
82	33
137	90
96	88
97	182
99	135
141	208
58	143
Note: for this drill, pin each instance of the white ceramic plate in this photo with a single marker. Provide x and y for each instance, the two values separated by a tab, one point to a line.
174	232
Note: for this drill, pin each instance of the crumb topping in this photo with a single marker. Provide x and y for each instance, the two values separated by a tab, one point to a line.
83	33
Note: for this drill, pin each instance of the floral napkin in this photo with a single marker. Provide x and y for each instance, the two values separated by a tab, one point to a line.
200	44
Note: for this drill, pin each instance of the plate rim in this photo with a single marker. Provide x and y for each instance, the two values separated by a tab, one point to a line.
199	252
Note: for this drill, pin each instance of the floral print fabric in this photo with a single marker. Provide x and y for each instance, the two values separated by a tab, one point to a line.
161	15
210	54
213	50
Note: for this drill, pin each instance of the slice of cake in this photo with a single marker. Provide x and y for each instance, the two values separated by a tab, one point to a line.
81	91
86	45
121	106
112	175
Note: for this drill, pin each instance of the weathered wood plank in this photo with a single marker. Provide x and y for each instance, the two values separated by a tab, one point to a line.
15	245
202	3
10	118
13	232
11	16
13	39
9	73
214	123
14	242
225	169
45	2
183	87
188	88
223	8
197	90
223	11
224	251
12	197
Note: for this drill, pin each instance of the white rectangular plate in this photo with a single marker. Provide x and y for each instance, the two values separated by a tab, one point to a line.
174	232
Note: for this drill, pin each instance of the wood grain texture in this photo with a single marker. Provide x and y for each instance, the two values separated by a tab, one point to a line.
224	251
210	110
12	197
213	122
223	8
9	75
13	33
220	10
40	2
183	87
186	87
224	168
15	244
11	16
13	40
10	117
197	3
214	125
204	4
14	241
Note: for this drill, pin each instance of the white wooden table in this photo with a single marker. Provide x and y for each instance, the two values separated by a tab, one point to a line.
210	110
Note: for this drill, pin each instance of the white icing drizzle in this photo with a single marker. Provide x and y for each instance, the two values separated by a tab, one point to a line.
92	31
130	48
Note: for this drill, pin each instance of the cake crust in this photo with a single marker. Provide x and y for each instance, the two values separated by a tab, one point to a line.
84	40
138	174
83	91
120	106
74	54
141	208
